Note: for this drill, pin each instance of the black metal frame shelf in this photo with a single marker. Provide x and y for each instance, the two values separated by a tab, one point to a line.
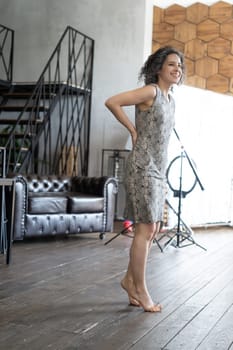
113	164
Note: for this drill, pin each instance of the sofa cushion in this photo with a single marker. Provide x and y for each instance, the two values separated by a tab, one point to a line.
85	203
47	203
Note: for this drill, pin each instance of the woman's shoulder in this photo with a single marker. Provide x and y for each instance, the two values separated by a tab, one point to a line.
149	97
156	88
152	89
153	85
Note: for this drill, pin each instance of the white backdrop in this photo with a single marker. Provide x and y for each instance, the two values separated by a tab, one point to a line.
204	123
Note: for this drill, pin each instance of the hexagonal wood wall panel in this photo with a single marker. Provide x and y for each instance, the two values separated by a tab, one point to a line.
205	35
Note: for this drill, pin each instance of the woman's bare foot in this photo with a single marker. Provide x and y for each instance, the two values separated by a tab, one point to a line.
139	299
153	308
147	303
128	286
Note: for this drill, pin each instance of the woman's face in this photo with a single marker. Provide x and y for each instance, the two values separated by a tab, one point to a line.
171	71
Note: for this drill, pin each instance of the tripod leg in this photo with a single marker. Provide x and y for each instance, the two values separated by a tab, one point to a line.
169	234
158	244
125	230
110	240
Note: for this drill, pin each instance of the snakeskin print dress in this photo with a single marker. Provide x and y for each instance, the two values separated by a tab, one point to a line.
145	180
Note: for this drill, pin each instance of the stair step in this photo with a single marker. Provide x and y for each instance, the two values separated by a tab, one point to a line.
17	135
23	149
9	108
18	87
22	87
25	95
5	121
5	84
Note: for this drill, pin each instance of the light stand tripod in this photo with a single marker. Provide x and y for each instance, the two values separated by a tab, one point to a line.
181	232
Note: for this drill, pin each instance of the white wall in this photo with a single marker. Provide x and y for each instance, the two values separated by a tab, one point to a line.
118	30
204	122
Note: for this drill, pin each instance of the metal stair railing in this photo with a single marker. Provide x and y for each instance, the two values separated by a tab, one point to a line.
51	134
6	54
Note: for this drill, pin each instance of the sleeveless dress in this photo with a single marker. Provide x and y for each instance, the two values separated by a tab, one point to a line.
145	178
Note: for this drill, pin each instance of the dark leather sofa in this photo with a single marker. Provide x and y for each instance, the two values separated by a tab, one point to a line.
52	205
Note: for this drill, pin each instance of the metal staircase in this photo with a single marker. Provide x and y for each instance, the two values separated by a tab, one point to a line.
45	126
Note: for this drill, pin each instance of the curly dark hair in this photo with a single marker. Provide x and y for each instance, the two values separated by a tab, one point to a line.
154	63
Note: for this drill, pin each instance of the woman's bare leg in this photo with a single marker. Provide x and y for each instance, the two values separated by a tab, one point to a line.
135	279
127	282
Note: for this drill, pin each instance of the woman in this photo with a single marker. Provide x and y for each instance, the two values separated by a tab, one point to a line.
146	165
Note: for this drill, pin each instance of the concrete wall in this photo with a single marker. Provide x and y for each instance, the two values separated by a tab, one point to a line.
118	28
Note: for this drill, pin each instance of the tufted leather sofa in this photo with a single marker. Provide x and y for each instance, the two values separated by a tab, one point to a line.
51	205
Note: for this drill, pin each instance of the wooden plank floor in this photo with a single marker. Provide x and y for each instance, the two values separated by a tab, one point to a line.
64	294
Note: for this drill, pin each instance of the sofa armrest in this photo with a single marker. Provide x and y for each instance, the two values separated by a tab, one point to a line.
104	186
21	195
111	189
